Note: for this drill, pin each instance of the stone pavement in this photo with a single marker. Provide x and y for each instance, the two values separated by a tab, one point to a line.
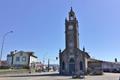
55	76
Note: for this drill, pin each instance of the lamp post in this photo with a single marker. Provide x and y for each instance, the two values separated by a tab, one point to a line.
3	43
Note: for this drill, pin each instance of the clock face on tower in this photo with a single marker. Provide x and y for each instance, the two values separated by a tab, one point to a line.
71	44
70	27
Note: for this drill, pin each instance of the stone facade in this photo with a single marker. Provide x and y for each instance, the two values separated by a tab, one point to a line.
95	67
72	59
98	66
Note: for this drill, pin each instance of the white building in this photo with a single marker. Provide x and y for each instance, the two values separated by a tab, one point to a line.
20	59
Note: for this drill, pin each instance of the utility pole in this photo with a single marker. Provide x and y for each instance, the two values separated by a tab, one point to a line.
48	64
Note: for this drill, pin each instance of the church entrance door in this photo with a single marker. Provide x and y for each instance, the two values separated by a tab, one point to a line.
71	66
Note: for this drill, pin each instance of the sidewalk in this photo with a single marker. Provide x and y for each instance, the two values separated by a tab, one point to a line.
55	76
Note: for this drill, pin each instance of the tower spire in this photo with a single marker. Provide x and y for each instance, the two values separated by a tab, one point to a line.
71	14
71	9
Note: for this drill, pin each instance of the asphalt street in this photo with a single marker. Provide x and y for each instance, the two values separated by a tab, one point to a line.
56	76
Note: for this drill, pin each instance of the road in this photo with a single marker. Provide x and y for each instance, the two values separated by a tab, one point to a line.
55	76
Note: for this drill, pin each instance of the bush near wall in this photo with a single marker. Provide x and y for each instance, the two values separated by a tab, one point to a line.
4	67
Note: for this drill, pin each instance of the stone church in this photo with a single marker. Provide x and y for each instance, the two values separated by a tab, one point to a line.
72	59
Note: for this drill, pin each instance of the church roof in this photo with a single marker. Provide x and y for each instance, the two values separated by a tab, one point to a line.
80	51
84	53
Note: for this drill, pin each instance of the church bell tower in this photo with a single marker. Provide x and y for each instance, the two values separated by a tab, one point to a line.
72	59
71	31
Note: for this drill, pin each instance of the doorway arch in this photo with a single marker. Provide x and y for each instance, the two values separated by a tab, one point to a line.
71	66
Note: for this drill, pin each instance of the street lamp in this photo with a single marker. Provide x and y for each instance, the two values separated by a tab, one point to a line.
3	43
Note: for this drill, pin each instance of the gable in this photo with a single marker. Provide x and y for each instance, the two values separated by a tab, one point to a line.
75	51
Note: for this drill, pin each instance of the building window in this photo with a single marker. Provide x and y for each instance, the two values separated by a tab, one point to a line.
24	58
81	65
17	59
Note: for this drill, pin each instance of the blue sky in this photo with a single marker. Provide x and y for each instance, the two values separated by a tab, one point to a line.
38	26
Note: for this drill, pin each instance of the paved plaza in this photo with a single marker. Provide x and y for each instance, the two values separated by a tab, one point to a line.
55	76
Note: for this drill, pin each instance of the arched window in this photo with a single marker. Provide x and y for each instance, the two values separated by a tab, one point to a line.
81	65
63	65
71	60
